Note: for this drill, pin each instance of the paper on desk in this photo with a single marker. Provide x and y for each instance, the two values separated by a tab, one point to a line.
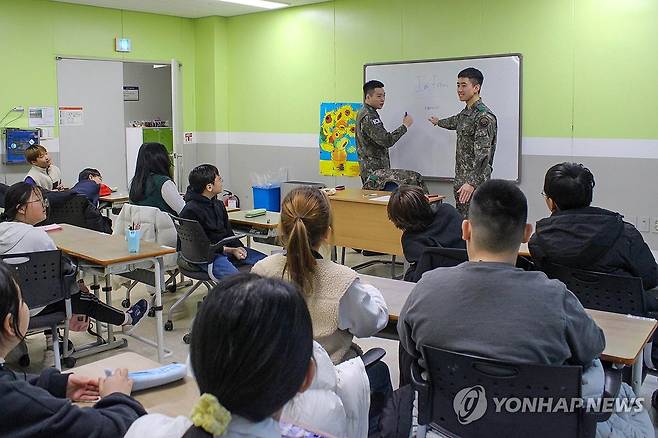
51	227
384	198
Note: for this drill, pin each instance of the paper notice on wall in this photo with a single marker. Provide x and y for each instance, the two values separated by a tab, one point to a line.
41	116
188	138
71	116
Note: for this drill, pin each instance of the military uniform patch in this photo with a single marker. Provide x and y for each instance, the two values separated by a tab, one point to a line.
484	122
376	121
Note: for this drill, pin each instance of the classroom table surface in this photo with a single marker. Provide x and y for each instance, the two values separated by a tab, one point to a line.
114	197
102	249
368	196
625	335
269	221
176	398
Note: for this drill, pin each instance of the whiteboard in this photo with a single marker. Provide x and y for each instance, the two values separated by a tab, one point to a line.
429	88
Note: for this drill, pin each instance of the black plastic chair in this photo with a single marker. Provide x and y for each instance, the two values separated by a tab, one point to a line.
599	291
71	211
39	275
457	399
195	258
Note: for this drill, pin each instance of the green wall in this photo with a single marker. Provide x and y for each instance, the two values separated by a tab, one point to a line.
589	65
35	31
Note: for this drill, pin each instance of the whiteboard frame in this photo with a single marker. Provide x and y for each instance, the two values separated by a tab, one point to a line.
463	58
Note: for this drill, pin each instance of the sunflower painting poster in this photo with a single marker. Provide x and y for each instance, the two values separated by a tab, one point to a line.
338	139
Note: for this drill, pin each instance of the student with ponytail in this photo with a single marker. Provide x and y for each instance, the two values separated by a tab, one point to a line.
341	306
251	352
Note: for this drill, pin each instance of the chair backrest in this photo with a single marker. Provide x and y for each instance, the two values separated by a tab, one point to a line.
462	392
70	211
193	243
599	291
39	274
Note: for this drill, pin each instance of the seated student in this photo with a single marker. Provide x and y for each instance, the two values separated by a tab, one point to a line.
487	307
201	205
251	352
40	405
42	173
585	237
24	207
153	184
423	225
89	185
341	305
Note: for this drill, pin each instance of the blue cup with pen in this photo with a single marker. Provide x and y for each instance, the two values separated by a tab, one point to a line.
133	235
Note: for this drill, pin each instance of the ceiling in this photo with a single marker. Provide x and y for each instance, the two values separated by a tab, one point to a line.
184	8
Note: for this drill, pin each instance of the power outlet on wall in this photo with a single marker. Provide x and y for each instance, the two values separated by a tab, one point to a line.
643	224
653	225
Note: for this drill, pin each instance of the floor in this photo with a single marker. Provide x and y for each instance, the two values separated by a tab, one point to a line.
182	320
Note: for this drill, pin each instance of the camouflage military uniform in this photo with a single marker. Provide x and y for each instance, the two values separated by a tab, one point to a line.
377	179
476	144
373	141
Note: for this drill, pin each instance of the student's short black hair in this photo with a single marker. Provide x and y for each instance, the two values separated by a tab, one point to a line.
569	185
10	300
409	209
252	342
86	173
201	176
370	86
498	211
476	77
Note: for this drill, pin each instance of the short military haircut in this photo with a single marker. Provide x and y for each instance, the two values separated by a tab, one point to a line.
33	152
473	74
370	86
86	173
498	215
409	209
201	176
569	185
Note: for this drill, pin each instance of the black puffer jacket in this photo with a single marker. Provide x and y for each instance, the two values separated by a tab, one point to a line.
593	239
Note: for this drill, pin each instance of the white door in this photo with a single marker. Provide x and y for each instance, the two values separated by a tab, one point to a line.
177	123
99	138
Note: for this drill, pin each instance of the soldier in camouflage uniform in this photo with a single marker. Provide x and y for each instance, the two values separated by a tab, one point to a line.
476	128
373	141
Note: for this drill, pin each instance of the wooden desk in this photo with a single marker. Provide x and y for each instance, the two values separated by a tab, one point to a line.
362	222
262	227
176	398
625	335
105	254
114	198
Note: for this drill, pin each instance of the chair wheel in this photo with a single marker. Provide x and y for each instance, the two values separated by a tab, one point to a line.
186	338
654	399
169	326
125	303
171	288
69	362
24	361
151	312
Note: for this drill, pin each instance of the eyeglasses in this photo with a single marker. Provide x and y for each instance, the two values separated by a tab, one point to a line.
44	202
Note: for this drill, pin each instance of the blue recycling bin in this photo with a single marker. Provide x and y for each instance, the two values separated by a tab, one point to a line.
268	198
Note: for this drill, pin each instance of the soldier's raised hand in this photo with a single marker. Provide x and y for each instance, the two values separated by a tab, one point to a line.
434	120
407	120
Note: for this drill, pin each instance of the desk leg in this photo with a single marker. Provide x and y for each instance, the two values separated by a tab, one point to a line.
636	375
159	283
108	299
